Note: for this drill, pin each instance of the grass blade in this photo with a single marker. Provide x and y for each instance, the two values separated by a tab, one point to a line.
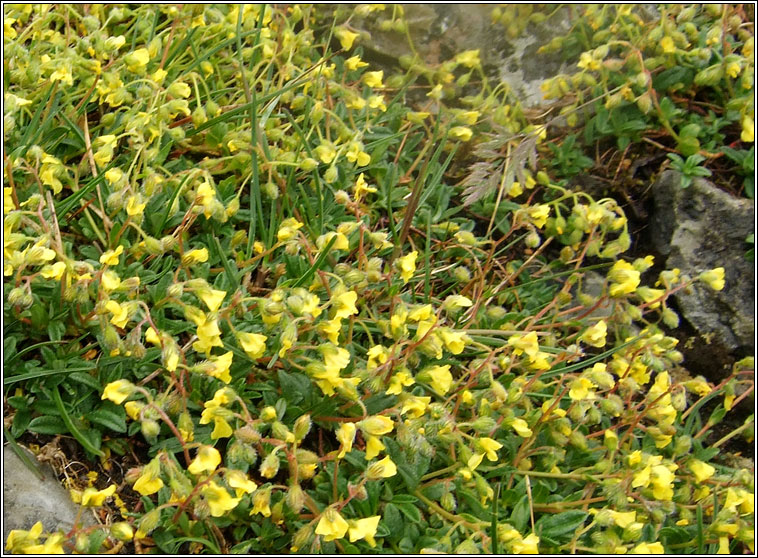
81	438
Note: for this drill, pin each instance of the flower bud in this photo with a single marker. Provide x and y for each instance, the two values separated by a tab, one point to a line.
268	414
448	502
302	427
682	444
295	498
270	466
153	246
578	440
483	425
122	531
280	431
302	538
150	429
148	522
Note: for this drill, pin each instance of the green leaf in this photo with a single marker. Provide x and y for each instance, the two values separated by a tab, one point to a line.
411	464
294	386
520	514
410	511
47	425
109	415
558	526
393	520
688	145
85	379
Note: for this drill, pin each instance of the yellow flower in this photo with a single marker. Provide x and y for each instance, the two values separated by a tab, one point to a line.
240	482
331	328
623	519
261	503
62	74
647	548
624	277
344	304
382	469
199	255
149	481
733	69
587	62
528	545
714	278
117	391
461	132
521	427
649	295
54	271
288	229
345	435
93	497
748	130
110	257
206	460
407	266
524	344
340	241
595	335
211	297
218	367
133	207
739	497
326	152
218	414
376	425
667	45
355	63
456	302
179	89
363	529
582	388
254	344
454	341
539	214
10	32
399	380
373	79
469	58
417	117
490	447
331	525
218	499
415	406
20	541
373	446
440	378
361	189
377	102
701	470
137	61
345	37
662	479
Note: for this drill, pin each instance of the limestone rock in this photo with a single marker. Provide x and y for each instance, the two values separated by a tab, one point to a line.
700	228
440	31
27	499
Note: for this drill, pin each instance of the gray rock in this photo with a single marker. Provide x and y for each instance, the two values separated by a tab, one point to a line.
27	499
439	31
700	228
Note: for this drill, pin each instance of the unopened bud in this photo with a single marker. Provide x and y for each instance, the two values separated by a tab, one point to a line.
302	427
150	429
270	466
122	531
